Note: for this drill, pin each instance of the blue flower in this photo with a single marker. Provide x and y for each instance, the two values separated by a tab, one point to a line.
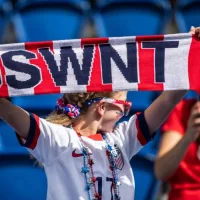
109	148
84	170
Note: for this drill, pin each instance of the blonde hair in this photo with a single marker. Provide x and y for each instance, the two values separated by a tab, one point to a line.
79	99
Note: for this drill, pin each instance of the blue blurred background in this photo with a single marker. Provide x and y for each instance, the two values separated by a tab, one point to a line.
38	20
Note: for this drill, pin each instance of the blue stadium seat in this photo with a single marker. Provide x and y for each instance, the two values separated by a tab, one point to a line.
187	14
18	172
131	17
21	179
9	144
40	20
141	100
146	185
5	10
39	104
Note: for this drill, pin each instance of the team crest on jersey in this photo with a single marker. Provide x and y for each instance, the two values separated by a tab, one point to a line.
118	157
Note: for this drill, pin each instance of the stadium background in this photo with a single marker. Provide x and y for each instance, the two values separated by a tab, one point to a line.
39	20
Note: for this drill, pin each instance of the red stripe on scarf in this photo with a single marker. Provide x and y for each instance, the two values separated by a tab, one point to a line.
194	64
96	82
146	64
3	86
46	85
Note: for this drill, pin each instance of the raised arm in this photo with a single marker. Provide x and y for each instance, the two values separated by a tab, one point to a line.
158	111
174	145
16	117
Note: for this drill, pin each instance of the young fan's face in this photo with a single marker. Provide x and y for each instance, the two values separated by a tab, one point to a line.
113	112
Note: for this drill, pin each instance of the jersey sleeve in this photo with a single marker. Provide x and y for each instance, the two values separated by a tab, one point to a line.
134	134
45	141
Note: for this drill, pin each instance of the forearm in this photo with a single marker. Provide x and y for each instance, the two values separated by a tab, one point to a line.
159	110
173	97
167	163
5	108
15	116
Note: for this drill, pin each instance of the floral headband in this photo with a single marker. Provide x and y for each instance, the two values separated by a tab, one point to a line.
71	110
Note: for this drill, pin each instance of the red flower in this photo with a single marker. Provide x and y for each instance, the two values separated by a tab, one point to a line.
90	162
93	179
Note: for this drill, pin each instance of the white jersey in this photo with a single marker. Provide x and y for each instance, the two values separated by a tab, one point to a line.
59	149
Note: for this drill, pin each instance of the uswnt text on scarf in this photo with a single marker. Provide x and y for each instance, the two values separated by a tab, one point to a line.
19	61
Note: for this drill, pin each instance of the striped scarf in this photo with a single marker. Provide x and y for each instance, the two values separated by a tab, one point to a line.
158	62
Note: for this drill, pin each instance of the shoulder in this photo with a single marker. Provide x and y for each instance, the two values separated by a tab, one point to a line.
54	129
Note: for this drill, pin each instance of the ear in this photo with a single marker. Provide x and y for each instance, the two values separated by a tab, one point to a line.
101	107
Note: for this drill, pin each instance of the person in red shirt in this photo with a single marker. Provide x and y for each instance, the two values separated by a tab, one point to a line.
178	159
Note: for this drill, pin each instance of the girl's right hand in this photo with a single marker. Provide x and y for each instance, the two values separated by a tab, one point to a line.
193	127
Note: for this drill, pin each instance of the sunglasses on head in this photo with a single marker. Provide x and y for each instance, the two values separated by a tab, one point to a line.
127	104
